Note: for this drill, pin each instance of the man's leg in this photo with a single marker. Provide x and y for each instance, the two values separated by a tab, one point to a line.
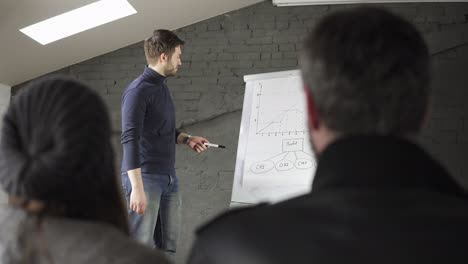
170	217
143	226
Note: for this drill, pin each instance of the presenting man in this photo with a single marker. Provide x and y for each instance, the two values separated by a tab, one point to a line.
377	196
149	136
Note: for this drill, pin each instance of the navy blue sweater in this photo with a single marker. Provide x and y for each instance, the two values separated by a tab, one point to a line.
148	125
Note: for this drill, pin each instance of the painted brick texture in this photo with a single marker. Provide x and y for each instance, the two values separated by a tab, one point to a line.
208	91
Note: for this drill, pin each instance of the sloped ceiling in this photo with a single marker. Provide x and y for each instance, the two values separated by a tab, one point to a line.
22	59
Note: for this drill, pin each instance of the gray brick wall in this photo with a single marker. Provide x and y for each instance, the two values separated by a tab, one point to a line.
208	92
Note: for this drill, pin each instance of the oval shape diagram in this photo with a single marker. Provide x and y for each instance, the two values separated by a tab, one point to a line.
262	166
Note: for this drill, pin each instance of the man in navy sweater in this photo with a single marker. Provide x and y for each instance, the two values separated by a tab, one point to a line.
149	136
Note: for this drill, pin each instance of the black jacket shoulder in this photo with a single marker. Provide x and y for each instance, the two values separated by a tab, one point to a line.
225	216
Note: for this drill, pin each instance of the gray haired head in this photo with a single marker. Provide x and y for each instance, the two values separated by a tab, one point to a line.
368	72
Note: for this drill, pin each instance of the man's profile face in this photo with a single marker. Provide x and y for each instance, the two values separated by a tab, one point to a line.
174	61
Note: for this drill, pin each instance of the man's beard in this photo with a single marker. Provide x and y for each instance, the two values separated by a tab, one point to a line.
171	72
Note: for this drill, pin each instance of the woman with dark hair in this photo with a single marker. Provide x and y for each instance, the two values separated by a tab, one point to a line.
57	166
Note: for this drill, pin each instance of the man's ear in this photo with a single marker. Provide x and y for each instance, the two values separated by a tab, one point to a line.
312	113
163	57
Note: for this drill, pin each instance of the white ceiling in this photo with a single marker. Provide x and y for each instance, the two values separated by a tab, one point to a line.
22	58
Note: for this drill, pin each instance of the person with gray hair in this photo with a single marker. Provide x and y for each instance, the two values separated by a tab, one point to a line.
377	196
57	166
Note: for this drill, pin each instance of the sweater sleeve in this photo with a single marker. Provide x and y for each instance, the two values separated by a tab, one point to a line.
133	114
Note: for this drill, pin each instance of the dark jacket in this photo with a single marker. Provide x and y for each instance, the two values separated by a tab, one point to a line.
374	199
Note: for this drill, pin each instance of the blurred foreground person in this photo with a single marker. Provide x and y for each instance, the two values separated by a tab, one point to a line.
377	196
57	166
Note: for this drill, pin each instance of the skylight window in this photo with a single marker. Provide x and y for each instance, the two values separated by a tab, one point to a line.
78	20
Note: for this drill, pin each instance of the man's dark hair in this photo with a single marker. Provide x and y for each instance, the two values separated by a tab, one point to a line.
56	147
368	72
162	41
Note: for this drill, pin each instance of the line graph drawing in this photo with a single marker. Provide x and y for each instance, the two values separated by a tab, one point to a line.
272	117
274	159
293	156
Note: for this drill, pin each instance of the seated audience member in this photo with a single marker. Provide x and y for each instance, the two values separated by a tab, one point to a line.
57	166
377	196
